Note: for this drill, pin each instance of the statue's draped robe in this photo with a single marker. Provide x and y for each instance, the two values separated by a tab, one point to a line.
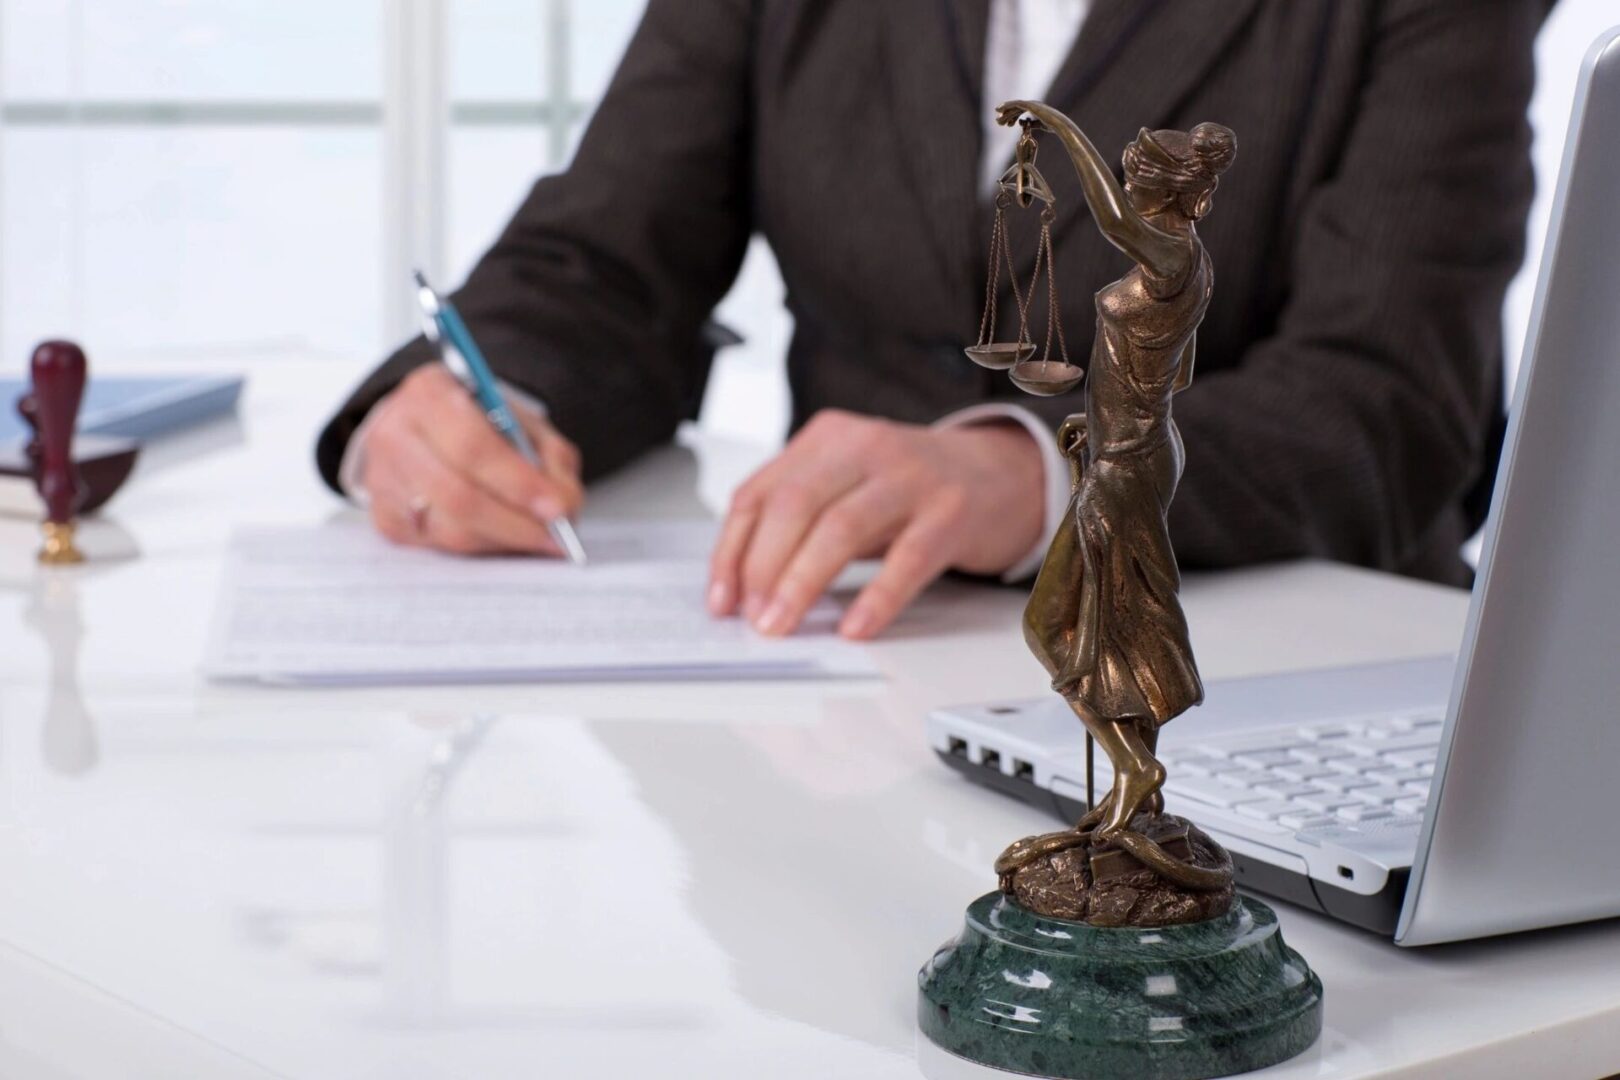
1105	618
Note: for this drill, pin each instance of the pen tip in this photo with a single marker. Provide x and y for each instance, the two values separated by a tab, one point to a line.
421	282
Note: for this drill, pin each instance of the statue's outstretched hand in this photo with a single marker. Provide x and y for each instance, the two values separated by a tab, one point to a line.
1009	114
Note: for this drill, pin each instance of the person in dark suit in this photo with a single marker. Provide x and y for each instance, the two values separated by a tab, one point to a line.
1350	383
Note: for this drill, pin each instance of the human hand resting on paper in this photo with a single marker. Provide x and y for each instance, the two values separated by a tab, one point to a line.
438	475
849	487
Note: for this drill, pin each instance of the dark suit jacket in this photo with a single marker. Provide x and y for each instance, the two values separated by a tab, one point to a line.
1349	370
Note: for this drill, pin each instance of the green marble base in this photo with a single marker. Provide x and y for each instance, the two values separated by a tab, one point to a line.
1053	998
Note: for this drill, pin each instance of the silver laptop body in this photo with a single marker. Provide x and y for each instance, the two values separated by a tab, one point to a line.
1434	800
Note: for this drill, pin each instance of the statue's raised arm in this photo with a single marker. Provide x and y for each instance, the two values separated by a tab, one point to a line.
1163	253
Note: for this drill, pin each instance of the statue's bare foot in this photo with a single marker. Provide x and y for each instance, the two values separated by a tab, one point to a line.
1134	788
1096	815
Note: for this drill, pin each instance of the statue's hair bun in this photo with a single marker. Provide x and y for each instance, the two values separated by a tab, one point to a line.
1216	147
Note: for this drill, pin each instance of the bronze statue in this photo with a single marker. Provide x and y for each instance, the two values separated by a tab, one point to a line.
1104	617
1045	977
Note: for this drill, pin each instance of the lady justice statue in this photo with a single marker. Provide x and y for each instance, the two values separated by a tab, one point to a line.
1047	976
1104	617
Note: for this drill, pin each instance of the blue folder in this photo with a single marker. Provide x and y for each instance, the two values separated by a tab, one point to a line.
140	408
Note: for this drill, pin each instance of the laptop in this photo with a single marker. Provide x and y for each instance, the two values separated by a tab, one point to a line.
1444	799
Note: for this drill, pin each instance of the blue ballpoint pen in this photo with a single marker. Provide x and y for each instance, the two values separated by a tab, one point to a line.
466	362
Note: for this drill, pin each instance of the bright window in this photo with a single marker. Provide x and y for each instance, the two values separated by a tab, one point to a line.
201	179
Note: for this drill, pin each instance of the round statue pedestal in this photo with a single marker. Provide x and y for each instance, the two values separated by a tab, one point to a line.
1053	998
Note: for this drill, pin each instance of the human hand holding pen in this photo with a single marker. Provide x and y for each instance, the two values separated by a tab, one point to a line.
461	354
440	476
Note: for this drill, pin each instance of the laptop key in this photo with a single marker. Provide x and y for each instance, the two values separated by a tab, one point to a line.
1411	759
1251	744
1411	805
1409	722
1301	771
1322	732
1344	781
1363	813
1305	819
1275	742
1264	759
1325	803
1288	791
1196	764
1393	744
1266	811
1417	787
1382	793
1401	776
1320	752
1420	740
1243	778
1214	794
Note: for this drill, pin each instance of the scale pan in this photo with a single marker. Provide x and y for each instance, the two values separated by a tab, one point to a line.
1046	378
1001	355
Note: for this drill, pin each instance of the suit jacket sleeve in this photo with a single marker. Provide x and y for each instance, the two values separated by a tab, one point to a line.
596	296
1349	431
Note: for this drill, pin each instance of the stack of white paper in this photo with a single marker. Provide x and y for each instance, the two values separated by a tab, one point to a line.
338	604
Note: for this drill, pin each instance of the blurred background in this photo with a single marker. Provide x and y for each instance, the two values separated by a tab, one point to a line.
197	181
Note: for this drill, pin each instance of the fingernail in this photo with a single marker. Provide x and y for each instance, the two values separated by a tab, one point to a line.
774	621
546	509
719	598
859	622
752	606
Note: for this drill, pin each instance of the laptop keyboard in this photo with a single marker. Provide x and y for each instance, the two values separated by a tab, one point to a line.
1343	772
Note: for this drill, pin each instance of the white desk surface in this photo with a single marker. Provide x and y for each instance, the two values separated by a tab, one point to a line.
618	881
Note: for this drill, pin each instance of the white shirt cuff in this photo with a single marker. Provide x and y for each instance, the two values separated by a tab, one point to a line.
352	469
353	465
1053	463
